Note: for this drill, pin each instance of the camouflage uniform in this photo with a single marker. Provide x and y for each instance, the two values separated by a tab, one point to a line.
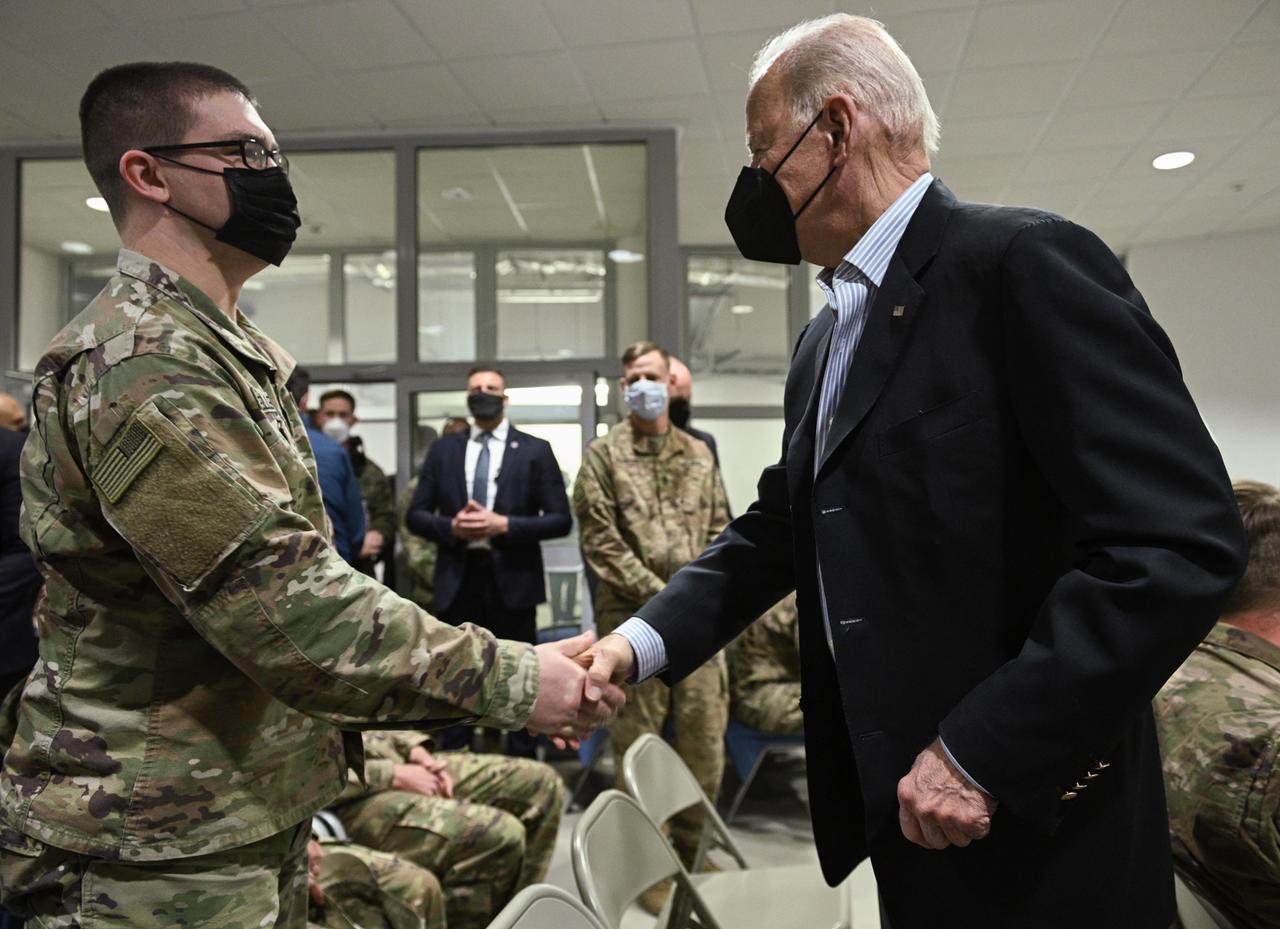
1219	723
200	639
495	836
764	672
646	507
419	555
375	890
379	504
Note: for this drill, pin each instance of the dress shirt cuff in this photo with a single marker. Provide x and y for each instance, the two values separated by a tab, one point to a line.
651	651
959	767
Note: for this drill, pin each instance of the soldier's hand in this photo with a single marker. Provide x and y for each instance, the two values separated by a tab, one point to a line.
561	711
315	855
609	664
417	779
372	545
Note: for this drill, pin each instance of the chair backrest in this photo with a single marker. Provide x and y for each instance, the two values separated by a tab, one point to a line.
663	785
1194	911
618	853
542	906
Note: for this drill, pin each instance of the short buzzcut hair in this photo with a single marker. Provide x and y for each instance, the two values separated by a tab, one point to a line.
644	347
1259	505
855	55
480	369
338	393
139	105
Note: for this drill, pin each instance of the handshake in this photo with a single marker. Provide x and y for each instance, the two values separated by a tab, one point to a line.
579	685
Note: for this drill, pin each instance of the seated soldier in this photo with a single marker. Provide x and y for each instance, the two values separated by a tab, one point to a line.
1219	724
485	825
355	886
764	672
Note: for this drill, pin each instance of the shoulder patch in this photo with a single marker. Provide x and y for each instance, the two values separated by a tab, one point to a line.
127	457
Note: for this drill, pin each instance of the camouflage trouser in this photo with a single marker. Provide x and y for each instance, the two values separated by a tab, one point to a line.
772	708
251	887
495	837
698	709
374	890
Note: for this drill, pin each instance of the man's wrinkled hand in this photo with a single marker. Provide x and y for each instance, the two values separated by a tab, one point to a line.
938	806
562	710
608	664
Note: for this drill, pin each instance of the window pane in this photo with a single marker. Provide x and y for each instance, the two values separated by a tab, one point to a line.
291	304
369	321
551	304
446	306
738	346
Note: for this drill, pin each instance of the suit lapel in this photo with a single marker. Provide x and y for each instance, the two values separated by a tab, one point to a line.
459	467
810	361
513	450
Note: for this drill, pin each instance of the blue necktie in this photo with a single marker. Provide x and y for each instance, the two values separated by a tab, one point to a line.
480	485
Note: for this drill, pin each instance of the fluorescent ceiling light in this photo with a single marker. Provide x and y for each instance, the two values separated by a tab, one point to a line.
741	309
625	256
97	203
77	248
1172	160
548	296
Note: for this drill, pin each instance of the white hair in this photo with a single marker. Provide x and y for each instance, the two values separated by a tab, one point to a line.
856	56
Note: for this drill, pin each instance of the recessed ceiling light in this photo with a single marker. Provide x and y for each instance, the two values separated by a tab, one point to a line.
77	248
1171	160
625	256
97	203
741	309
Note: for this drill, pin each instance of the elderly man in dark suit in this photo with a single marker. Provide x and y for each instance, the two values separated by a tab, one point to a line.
1006	523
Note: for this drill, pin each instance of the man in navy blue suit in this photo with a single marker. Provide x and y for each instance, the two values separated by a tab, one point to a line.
487	498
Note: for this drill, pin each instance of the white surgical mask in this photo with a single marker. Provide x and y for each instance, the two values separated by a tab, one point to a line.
336	429
647	399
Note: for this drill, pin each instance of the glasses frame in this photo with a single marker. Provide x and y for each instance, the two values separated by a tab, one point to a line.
280	160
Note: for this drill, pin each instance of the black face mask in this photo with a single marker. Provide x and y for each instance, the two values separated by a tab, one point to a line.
680	409
483	406
264	217
759	215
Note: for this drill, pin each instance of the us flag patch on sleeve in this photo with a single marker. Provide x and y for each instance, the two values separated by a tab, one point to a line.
127	457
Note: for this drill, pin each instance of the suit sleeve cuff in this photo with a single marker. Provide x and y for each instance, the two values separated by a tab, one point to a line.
650	650
959	767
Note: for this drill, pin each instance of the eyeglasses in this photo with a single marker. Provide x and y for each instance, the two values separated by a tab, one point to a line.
253	153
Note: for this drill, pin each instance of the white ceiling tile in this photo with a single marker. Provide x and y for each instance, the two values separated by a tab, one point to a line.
728	58
644	71
355	34
999	135
476	120
1264	213
980	170
486	29
1119	238
22	23
1030	33
1152	25
738	15
580	114
1136	79
141	12
245	44
1226	115
1070	129
13	129
1063	199
1104	213
522	80
921	6
1190	216
933	41
1009	91
424	92
322	105
1209	151
1265	25
605	22
1131	195
695	115
1082	164
1242	69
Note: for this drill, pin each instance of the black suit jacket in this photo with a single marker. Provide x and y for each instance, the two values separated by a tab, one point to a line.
530	494
19	578
1023	527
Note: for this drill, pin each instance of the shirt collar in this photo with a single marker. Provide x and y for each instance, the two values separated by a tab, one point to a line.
870	255
499	432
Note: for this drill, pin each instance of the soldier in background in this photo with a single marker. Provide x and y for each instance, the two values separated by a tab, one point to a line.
420	553
1218	719
648	500
485	825
764	672
336	416
356	886
681	406
203	647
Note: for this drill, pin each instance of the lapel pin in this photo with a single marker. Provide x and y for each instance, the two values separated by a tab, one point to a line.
514	445
899	310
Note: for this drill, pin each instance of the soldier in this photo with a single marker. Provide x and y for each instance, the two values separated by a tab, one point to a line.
1218	719
356	886
648	500
485	825
335	417
202	645
764	672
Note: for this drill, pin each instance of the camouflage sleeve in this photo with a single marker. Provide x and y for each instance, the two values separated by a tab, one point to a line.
606	551
378	497
199	490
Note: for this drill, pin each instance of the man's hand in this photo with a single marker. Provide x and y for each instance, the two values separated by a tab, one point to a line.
478	522
373	543
562	711
609	664
417	779
315	855
938	806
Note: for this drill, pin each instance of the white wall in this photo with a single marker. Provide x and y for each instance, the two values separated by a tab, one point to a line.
1219	300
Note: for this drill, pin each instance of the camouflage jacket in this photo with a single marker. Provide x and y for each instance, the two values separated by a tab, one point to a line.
379	498
201	642
646	507
1219	726
419	554
768	652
